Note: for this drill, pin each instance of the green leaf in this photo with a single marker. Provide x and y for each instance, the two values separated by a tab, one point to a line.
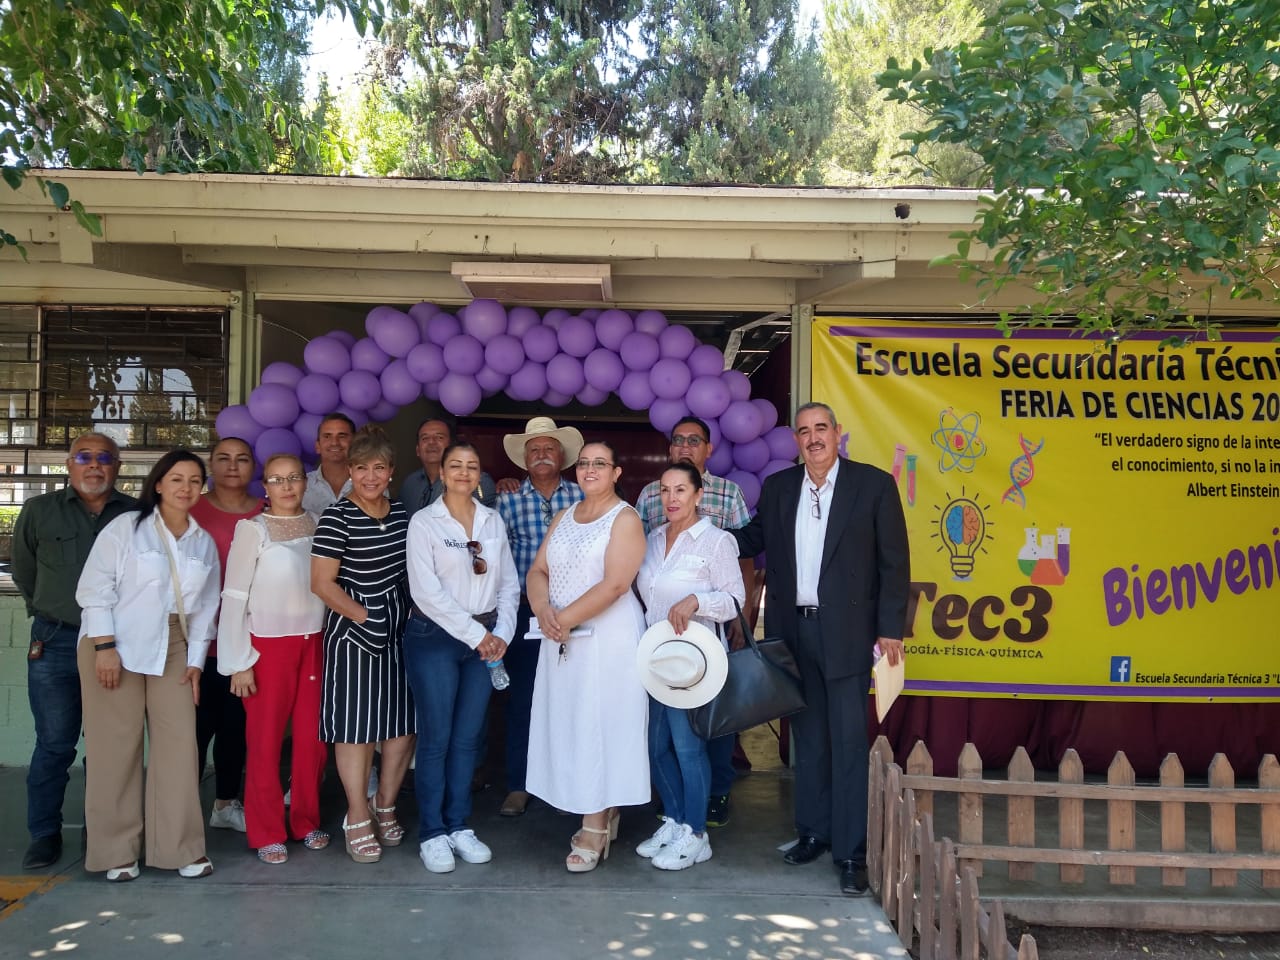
58	193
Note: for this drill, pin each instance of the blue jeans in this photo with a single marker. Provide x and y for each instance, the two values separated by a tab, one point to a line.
521	660
681	770
53	688
451	688
720	751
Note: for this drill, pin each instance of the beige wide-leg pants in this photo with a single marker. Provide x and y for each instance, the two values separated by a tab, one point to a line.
114	724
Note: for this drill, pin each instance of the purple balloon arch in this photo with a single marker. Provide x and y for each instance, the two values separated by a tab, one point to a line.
485	349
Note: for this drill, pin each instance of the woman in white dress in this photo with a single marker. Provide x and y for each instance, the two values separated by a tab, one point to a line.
588	750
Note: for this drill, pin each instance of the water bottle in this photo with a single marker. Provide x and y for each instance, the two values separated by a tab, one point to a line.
498	675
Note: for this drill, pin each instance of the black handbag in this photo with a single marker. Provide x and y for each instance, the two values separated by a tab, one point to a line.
763	684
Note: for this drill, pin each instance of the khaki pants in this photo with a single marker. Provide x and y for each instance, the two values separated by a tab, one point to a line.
114	724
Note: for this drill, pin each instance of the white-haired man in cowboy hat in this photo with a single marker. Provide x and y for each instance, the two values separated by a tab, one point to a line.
544	451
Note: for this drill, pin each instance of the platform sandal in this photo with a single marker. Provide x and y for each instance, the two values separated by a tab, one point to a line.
589	859
390	833
361	849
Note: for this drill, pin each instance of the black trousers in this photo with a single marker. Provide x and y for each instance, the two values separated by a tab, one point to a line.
832	752
220	718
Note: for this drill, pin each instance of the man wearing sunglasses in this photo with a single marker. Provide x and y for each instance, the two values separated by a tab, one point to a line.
50	544
723	504
544	451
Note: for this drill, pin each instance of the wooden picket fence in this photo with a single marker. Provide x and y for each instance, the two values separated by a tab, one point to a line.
1235	897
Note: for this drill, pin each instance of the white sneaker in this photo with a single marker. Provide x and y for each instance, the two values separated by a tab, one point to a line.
669	832
437	855
469	847
687	850
230	817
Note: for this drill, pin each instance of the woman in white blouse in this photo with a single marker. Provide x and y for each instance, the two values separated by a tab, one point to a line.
148	596
690	572
463	583
269	644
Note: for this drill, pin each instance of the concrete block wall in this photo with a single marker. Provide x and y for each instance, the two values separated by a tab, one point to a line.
17	734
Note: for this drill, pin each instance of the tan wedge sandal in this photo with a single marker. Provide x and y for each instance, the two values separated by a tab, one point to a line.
390	833
364	848
588	859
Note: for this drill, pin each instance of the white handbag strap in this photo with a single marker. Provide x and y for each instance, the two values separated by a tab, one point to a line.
173	574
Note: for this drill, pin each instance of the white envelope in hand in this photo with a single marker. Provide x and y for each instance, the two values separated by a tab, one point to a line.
889	683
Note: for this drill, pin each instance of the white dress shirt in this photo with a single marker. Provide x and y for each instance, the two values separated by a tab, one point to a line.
811	535
703	561
267	591
443	582
126	590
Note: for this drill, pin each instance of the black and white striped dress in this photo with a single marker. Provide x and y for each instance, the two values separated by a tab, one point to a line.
366	696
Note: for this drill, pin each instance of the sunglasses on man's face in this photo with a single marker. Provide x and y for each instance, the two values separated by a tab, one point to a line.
83	458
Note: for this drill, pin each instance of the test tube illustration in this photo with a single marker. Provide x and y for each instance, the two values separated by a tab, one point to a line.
911	479
899	453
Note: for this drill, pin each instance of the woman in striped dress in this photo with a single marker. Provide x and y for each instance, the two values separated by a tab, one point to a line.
358	570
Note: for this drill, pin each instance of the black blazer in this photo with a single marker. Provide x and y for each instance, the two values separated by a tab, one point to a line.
865	575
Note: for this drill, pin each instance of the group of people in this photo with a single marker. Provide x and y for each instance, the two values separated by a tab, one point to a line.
343	615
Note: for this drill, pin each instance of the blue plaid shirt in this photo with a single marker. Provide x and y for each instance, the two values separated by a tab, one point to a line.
722	503
528	514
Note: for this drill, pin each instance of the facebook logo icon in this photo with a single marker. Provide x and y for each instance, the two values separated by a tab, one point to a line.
1120	669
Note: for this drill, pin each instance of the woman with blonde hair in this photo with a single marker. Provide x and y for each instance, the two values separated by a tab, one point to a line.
270	646
358	570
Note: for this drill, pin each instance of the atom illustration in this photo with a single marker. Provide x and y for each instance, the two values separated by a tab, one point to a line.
957	438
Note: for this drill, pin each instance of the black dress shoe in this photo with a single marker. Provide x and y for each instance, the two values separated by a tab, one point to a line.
853	878
43	852
806	850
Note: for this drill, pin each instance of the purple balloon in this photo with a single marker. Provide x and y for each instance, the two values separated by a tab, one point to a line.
273	405
677	342
393	330
564	374
635	391
590	314
359	390
706	360
604	369
383	410
460	394
773	466
485	319
344	337
422	314
276	440
612	326
522	319
553	318
652	322
782	444
492	381
670	379
750	486
442	328
358	417
399	385
590	396
528	383
721	460
639	351
708	397
237	421
768	411
306	428
464	354
714	427
327	355
255	488
426	363
431	389
367	355
317	393
576	336
739	385
663	414
740	422
504	354
751	456
554	398
540	344
281	372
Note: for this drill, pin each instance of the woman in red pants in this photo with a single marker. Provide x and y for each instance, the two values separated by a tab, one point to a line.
269	643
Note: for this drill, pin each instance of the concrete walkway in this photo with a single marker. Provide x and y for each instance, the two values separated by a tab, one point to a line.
743	903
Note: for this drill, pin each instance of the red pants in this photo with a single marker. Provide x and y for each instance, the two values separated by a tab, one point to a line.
288	675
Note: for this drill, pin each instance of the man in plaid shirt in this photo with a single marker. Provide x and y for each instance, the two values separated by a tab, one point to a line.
544	450
723	504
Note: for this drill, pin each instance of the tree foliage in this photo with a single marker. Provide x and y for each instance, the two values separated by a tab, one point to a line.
1131	147
865	147
164	85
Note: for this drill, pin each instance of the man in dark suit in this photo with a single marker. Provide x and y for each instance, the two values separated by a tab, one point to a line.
837	576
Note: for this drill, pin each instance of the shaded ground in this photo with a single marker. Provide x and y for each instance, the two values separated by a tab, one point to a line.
1064	943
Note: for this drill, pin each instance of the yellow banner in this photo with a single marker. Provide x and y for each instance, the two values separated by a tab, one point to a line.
1088	520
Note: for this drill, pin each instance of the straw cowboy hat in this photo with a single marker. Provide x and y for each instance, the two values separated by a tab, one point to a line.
569	437
685	670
